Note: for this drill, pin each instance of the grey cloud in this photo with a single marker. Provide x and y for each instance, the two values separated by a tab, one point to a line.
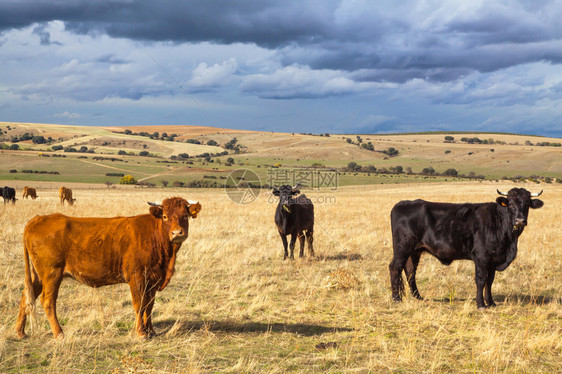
44	36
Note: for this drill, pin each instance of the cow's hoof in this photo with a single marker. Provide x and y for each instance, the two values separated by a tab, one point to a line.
22	335
492	305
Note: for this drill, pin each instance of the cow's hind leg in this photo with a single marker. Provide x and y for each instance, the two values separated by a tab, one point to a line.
310	240
410	270
301	242
403	247
22	315
396	266
51	285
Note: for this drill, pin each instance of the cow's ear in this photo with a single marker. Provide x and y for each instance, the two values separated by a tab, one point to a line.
295	192
276	192
156	211
536	203
502	201
194	209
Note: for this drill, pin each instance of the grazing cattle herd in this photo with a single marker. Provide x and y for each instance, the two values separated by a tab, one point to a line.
141	250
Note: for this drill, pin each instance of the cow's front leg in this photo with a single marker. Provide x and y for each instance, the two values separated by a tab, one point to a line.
138	296
150	296
489	281
292	244
480	277
285	244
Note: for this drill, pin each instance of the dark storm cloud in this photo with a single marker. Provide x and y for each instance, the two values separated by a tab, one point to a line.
392	43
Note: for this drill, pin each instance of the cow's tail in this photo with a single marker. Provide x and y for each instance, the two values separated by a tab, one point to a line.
30	294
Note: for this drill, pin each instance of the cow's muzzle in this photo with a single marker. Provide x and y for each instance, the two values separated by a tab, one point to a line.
520	222
178	235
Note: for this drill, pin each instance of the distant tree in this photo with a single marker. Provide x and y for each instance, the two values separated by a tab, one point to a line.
108	184
212	142
353	166
398	169
447	151
451	172
369	169
449	138
70	149
428	171
121	152
57	147
143	153
14	147
164	183
348	140
127	179
230	160
83	149
39	139
128	132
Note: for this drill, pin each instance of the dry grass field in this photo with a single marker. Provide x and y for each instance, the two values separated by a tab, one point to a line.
234	305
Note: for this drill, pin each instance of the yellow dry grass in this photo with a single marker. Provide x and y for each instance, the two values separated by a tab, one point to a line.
234	305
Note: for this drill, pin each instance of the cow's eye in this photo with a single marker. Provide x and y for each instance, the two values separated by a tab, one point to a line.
165	217
185	216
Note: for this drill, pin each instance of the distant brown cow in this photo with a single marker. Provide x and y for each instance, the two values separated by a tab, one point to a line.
29	192
139	250
65	194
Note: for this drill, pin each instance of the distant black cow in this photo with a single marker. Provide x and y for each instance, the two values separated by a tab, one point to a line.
9	194
485	233
294	216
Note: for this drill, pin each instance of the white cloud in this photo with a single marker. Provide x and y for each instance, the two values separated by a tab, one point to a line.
296	81
216	75
67	115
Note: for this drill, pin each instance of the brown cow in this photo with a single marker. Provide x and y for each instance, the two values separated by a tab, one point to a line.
29	192
139	250
66	194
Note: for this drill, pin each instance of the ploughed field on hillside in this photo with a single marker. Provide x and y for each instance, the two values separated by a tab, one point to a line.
234	305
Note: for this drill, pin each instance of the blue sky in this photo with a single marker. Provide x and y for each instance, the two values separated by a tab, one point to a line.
303	66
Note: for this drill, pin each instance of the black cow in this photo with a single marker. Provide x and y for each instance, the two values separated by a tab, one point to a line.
485	233
9	194
294	216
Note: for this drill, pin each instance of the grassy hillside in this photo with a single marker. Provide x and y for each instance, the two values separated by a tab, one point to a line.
504	155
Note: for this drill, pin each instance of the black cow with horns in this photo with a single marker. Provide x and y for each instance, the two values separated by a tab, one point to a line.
294	216
485	233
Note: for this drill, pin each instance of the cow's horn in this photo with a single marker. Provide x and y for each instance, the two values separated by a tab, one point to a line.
501	193
535	194
191	202
156	203
296	186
